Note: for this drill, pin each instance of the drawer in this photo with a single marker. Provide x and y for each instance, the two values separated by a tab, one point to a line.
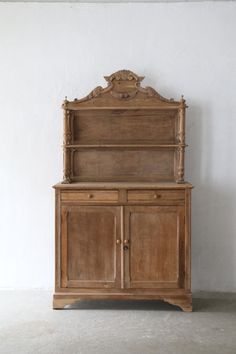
155	196
90	196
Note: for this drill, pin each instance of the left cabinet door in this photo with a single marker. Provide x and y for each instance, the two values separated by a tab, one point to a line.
90	256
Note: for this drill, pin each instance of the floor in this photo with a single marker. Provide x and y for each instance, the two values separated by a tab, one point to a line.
28	325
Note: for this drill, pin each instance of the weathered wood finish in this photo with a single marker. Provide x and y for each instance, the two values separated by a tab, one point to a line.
122	247
122	165
151	196
155	235
90	196
153	126
124	132
89	253
123	209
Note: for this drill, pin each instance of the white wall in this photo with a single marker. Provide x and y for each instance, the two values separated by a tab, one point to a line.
48	51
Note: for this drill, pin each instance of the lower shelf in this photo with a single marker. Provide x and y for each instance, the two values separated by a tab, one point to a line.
60	300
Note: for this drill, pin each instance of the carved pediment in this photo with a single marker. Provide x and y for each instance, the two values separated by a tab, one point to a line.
124	84
123	89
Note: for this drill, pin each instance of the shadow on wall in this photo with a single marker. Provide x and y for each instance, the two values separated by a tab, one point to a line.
213	205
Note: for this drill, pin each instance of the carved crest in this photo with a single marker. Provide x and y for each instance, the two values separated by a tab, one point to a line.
123	86
123	75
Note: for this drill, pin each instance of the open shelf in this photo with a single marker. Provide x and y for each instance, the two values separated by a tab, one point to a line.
124	145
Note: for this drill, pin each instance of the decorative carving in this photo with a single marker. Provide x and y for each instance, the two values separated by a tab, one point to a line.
67	127
182	101
123	75
150	92
96	92
66	166
65	103
180	138
180	171
124	95
181	133
181	141
184	303
123	85
72	153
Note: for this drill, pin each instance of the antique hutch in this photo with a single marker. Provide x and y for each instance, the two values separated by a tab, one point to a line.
123	208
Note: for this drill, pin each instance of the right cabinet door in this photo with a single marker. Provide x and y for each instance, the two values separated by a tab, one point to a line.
155	255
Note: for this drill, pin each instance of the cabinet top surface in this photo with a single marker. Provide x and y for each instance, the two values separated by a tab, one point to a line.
124	185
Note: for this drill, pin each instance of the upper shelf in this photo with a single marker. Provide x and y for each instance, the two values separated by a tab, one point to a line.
124	132
112	145
122	127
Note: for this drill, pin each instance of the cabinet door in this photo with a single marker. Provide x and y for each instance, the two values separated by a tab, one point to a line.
154	251
89	256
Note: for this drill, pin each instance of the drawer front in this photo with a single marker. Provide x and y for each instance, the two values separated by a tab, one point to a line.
90	196
155	196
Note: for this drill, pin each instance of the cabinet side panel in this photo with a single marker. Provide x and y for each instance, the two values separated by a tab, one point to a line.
188	240
57	240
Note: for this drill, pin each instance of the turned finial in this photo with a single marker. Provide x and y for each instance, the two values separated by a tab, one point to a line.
65	102
182	101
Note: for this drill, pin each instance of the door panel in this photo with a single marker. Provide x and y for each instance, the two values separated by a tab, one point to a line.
155	236
90	258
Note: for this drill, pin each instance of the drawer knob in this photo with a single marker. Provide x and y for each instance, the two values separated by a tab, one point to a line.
156	196
126	242
118	241
90	196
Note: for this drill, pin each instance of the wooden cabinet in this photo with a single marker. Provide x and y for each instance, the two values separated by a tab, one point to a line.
123	208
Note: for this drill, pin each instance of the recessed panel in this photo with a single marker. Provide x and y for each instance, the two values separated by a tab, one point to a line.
125	126
123	164
154	238
91	245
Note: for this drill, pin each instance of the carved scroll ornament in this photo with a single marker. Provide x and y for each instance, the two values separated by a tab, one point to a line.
124	85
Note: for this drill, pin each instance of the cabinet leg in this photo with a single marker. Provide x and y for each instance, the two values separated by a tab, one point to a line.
60	303
186	308
185	302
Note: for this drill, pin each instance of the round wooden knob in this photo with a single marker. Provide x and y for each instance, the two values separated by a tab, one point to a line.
126	242
118	241
156	196
90	196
